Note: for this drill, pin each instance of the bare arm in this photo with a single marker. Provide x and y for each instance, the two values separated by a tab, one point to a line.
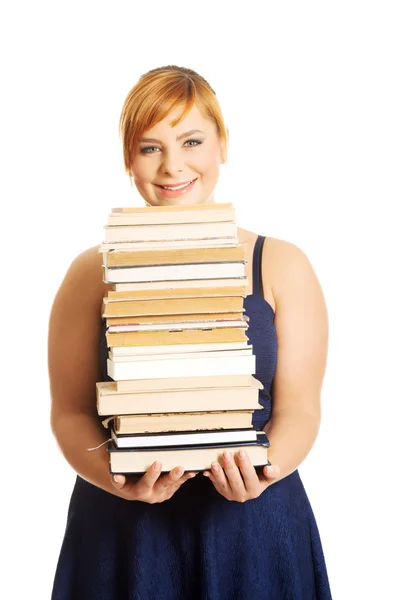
74	369
301	322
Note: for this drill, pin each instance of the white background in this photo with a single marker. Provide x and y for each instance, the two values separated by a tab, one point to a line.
310	93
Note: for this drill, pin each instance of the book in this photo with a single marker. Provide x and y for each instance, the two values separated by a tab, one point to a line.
173	272
173	306
171	349
182	382
128	258
152	319
177	292
234	286
202	213
183	438
194	458
182	355
187	336
174	368
178	326
221	242
179	231
163	422
112	402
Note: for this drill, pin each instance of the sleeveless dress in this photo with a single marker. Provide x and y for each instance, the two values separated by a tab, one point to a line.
198	545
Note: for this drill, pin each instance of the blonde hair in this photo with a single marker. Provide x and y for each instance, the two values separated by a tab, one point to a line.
157	93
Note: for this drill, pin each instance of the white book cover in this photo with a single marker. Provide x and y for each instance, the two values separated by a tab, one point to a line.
141	350
173	272
178	326
227	353
183	439
184	367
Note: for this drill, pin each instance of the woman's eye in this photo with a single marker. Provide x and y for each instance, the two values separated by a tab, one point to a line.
146	150
196	142
149	149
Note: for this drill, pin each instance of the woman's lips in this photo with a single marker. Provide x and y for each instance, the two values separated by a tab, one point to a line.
178	192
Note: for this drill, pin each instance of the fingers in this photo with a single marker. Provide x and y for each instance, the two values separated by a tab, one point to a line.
237	479
176	478
119	481
123	482
152	485
233	475
271	472
150	477
250	478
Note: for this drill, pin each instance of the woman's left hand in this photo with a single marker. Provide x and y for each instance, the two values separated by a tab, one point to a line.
236	479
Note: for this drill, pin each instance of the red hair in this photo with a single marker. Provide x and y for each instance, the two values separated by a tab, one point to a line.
157	93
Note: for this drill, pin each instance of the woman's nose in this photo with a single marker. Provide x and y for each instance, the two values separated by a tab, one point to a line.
172	162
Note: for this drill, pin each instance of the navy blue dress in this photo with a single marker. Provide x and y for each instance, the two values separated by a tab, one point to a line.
198	545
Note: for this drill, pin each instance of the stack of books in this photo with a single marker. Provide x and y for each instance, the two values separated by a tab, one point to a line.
183	389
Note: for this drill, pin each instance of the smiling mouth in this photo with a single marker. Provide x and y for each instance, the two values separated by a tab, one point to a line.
175	187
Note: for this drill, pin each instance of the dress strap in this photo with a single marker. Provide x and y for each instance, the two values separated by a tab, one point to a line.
257	277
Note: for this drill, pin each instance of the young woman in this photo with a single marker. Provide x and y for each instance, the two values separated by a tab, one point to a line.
231	532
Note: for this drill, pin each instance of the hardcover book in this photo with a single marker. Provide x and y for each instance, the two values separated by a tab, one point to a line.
170	367
110	401
193	421
183	438
193	458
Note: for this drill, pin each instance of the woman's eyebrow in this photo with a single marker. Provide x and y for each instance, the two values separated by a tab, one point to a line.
179	137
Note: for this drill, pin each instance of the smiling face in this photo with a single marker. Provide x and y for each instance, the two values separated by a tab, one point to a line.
172	156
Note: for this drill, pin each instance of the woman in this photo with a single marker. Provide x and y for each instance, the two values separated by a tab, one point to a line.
229	532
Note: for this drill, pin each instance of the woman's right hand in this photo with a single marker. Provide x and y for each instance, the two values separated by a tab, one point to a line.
152	487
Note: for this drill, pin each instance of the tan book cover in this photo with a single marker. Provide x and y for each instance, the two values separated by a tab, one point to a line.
127	258
179	383
221	242
158	338
171	318
179	231
191	421
230	284
173	306
187	208
195	215
176	292
186	400
196	458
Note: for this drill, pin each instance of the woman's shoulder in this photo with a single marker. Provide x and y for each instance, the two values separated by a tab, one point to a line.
281	255
290	273
84	276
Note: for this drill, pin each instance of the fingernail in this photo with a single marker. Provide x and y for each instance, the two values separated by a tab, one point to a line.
179	472
118	478
206	474
242	454
215	467
227	455
156	466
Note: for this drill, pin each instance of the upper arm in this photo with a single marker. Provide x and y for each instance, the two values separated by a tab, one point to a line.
301	323
74	337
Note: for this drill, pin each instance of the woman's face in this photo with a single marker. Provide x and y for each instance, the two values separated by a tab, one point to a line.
173	156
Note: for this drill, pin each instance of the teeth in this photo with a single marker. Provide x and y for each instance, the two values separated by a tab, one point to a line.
179	187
